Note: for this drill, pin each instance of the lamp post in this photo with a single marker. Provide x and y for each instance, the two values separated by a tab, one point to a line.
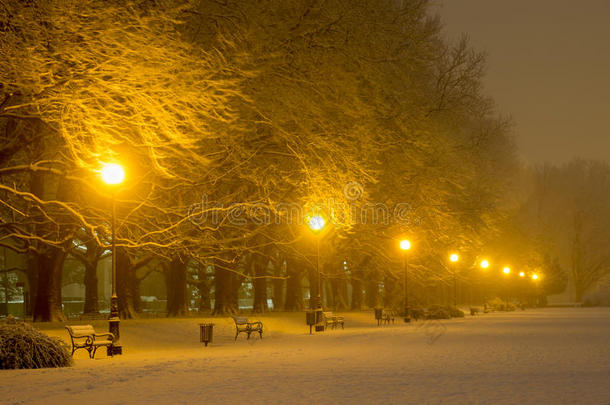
484	264
535	279
316	224
113	175
454	257
405	245
506	271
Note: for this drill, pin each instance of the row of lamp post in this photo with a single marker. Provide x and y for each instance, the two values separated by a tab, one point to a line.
405	246
113	175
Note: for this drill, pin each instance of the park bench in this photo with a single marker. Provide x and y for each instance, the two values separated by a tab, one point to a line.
84	337
333	320
243	325
384	316
387	316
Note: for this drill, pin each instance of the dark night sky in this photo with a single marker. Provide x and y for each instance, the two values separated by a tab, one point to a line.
548	67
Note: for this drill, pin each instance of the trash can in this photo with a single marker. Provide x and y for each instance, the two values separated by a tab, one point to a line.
206	332
319	320
378	315
310	319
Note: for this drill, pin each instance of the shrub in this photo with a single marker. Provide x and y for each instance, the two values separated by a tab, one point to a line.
438	312
22	346
455	312
417	313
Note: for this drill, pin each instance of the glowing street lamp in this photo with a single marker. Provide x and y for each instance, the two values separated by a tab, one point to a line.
506	270
484	264
454	257
534	276
316	224
113	175
521	274
405	245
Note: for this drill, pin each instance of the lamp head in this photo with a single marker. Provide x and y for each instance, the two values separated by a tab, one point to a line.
316	223
484	264
454	257
113	173
405	244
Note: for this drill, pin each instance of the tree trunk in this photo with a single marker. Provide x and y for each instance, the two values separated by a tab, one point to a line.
278	287
312	276
126	285
390	293
339	290
91	294
236	281
222	292
49	265
32	275
372	293
356	290
48	292
175	280
203	285
260	264
294	292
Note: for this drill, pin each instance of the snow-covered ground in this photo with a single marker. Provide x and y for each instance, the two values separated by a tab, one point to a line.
547	356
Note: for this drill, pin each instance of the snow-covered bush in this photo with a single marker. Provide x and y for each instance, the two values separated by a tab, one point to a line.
496	304
438	312
455	312
417	313
22	346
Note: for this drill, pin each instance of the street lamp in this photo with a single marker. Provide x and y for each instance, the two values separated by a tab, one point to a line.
404	246
521	274
454	258
484	264
506	271
316	224
113	175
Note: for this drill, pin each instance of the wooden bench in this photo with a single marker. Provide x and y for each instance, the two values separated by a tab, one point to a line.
243	325
84	337
332	320
387	316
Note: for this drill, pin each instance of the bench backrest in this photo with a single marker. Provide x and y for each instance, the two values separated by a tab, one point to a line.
80	330
240	320
328	314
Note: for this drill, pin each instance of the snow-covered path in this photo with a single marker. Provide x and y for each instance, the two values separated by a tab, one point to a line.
555	356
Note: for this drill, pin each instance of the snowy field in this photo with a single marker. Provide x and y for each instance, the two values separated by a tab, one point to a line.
547	356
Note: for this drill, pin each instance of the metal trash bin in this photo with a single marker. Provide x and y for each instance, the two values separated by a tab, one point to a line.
378	315
206	332
319	320
310	319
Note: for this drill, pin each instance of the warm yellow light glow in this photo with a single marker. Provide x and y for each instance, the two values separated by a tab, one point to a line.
113	174
405	244
484	264
454	257
521	274
506	270
316	223
534	276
